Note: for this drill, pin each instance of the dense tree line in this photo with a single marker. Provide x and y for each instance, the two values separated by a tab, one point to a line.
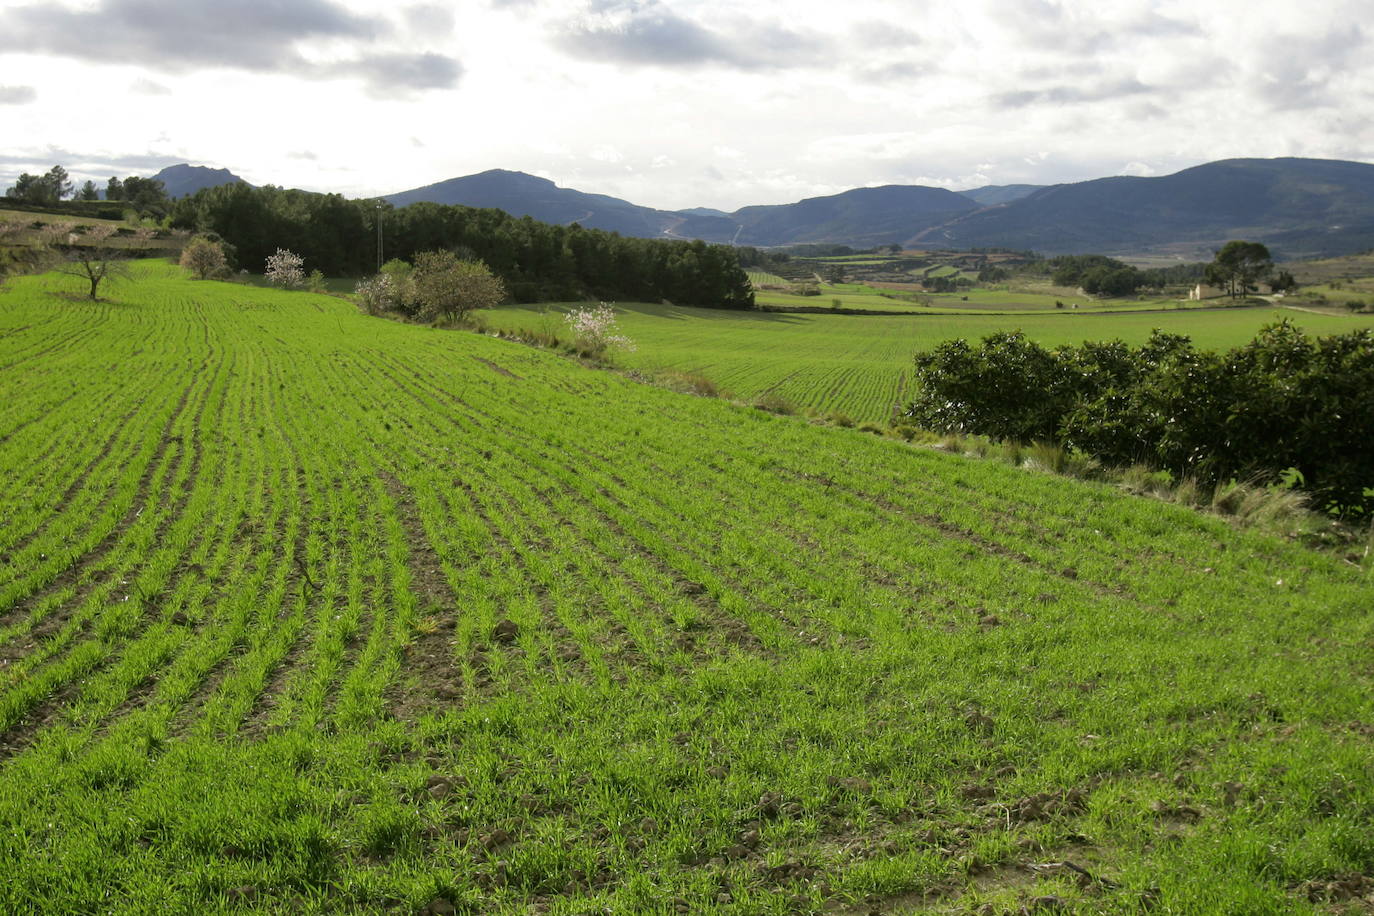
749	256
1097	275
1100	275
1284	401
51	190
535	261
1188	274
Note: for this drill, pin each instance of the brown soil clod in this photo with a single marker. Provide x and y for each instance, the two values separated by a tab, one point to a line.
506	632
1081	876
1044	805
976	792
1186	813
855	784
1338	889
245	894
496	840
979	721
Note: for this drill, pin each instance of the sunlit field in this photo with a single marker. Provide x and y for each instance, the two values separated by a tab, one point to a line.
859	365
305	611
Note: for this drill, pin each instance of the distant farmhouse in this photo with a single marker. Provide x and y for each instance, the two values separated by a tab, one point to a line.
1203	291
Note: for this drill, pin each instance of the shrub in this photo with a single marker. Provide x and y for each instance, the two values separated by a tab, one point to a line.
447	288
205	258
1282	401
1010	388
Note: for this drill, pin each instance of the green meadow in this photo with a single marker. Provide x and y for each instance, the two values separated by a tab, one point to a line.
858	365
304	611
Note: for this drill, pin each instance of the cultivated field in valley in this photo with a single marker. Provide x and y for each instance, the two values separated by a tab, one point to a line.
305	611
859	364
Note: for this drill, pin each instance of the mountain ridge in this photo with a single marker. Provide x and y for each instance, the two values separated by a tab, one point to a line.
1300	207
184	179
1303	207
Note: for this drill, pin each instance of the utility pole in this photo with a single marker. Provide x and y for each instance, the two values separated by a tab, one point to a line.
379	236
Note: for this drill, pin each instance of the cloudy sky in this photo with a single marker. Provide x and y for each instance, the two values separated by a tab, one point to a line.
679	103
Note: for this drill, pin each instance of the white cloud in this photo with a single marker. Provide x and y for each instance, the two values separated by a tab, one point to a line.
18	95
677	103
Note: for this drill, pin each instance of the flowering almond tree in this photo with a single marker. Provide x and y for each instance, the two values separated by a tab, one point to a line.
595	331
286	269
376	294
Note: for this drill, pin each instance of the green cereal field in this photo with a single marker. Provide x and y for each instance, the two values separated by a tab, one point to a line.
303	611
859	364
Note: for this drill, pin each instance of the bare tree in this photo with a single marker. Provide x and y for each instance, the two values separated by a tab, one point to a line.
94	261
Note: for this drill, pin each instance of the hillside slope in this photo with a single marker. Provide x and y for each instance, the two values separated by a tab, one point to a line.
863	216
520	194
1300	207
306	611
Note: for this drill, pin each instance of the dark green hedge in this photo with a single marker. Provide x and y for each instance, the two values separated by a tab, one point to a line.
1284	400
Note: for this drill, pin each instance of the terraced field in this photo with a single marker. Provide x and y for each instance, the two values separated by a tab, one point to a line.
304	611
859	364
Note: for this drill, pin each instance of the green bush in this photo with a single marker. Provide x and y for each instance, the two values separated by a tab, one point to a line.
1284	401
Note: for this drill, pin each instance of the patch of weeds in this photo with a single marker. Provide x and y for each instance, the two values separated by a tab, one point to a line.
772	402
686	383
837	418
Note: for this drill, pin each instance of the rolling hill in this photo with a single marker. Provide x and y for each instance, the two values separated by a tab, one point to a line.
1301	207
863	216
994	194
520	194
859	216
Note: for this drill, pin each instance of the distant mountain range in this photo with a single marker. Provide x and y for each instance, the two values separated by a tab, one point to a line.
863	216
1299	207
